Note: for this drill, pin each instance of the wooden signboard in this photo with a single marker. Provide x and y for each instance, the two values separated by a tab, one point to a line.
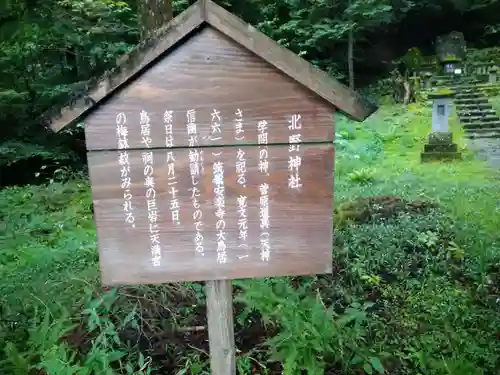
212	165
210	151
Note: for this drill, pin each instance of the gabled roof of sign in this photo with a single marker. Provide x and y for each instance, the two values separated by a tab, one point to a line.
207	12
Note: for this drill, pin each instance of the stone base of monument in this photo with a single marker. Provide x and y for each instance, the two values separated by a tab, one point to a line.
440	146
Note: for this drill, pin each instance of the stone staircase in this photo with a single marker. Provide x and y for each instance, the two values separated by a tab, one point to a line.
449	80
480	121
477	116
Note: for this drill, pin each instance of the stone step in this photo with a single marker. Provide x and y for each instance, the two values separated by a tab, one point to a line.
453	77
458	81
487	85
471	100
489	118
490	90
452	86
489	134
482	125
467	86
440	156
459	93
462	97
469	95
472	106
485	107
456	87
476	112
492	129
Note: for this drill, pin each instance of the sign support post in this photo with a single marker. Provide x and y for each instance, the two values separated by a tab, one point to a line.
221	327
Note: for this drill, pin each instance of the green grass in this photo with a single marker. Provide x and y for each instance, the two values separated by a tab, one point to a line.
414	293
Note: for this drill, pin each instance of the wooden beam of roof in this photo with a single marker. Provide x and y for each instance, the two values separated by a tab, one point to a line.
206	11
345	99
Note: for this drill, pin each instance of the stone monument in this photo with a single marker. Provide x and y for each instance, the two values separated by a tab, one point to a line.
427	80
440	144
493	74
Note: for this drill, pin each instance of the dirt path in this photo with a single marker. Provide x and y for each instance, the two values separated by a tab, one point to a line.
486	149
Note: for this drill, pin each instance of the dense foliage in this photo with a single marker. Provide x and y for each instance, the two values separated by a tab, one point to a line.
416	281
49	50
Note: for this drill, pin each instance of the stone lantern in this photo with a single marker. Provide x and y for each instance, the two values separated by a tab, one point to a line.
440	142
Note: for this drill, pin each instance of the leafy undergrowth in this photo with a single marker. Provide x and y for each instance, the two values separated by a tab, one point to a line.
415	287
494	100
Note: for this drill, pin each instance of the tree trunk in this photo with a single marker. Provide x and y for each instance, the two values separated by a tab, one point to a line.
350	58
153	15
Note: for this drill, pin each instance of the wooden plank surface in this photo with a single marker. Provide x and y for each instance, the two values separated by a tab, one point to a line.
211	72
221	327
299	233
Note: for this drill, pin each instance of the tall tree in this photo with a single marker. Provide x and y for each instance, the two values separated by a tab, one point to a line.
359	16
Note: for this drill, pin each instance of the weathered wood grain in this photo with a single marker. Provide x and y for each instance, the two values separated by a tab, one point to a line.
211	72
300	220
221	327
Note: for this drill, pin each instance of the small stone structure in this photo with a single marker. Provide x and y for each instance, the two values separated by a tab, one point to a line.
481	69
440	144
493	74
427	80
